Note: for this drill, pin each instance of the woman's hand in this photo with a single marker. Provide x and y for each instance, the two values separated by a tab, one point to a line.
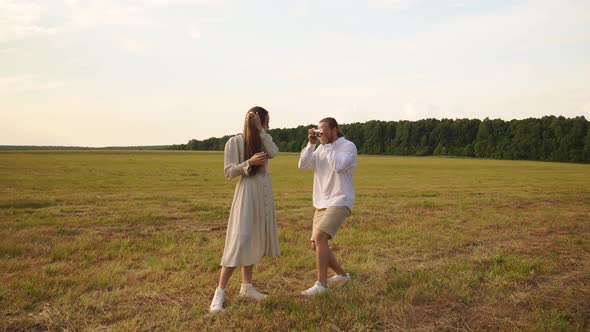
256	120
257	159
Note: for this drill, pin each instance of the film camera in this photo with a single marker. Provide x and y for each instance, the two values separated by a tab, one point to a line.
317	132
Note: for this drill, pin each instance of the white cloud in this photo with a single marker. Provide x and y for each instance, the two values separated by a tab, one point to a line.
77	62
458	3
137	47
170	3
396	45
137	13
93	13
393	4
416	109
23	18
28	83
525	29
285	70
220	19
20	19
302	8
194	33
292	74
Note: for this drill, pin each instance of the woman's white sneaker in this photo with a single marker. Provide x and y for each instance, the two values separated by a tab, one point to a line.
316	289
248	290
339	278
217	302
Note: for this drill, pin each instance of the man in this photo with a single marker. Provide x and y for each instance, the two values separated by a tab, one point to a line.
333	162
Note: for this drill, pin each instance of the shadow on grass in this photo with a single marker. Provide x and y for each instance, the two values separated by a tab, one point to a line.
25	204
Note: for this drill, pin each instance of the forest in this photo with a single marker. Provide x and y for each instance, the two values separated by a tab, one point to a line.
551	138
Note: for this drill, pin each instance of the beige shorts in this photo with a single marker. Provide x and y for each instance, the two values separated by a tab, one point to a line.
329	220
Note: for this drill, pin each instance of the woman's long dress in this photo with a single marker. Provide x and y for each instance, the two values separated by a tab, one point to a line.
252	227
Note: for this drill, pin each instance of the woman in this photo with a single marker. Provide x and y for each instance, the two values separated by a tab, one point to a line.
252	228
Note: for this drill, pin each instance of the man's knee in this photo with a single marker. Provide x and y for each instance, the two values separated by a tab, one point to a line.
320	237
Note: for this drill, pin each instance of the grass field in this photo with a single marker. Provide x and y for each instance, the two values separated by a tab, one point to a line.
132	241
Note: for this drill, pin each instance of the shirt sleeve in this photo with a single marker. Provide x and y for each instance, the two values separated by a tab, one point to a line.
268	145
307	158
343	159
231	161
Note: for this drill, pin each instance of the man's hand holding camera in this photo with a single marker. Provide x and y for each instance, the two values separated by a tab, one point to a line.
324	135
313	134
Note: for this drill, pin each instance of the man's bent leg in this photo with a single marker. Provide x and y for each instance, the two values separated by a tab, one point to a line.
334	265
332	262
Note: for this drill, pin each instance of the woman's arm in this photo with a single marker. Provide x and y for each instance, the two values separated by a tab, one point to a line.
268	145
231	160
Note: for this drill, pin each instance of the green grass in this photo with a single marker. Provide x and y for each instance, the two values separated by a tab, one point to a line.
128	240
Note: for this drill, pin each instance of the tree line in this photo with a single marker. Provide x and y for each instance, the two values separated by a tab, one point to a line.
549	138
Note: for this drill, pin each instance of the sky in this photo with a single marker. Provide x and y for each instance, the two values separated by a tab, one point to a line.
154	72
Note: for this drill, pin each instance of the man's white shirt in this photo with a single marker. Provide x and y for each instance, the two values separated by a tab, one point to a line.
333	166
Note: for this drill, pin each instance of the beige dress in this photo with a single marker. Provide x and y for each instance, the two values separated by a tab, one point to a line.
252	227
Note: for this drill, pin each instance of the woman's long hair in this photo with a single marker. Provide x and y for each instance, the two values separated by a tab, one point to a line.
252	141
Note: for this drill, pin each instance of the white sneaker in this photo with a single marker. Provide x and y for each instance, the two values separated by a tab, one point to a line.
248	290
339	278
217	303
316	289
